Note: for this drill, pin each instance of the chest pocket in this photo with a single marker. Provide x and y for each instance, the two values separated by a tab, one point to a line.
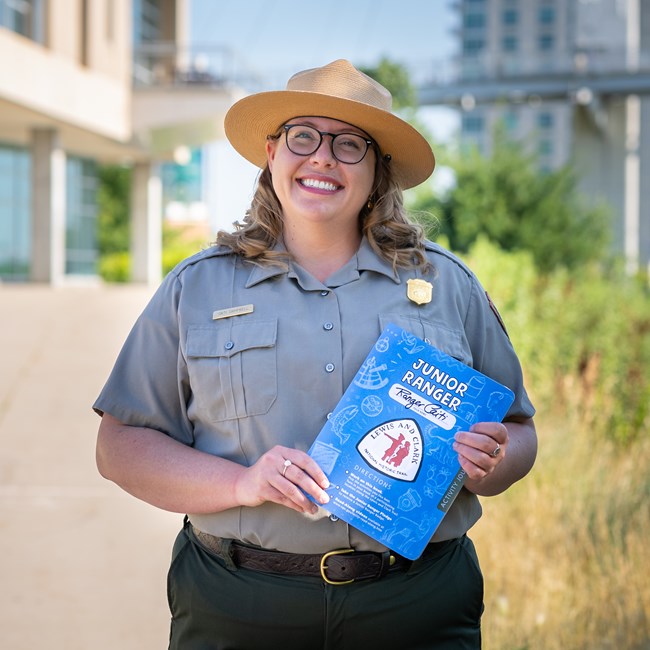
450	341
232	368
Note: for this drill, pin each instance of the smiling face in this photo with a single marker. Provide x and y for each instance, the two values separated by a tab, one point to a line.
318	188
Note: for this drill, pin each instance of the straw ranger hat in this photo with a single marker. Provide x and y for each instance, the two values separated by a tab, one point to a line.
338	91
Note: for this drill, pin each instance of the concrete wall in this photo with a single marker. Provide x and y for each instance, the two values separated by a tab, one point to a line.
59	85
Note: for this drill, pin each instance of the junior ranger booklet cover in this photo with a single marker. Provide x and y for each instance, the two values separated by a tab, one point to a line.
387	446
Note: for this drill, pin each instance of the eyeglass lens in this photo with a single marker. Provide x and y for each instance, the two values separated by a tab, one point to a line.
346	147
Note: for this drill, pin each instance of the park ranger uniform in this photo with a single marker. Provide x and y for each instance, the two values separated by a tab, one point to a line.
233	358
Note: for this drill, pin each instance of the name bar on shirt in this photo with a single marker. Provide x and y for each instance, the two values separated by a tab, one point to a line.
232	311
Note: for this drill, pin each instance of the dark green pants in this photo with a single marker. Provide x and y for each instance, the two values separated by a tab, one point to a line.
436	604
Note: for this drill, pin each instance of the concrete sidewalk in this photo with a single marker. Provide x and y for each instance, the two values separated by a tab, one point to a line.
82	564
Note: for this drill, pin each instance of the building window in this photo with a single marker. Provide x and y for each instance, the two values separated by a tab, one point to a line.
146	21
148	64
473	124
545	120
81	217
546	42
547	15
26	17
510	44
15	213
473	46
510	17
474	20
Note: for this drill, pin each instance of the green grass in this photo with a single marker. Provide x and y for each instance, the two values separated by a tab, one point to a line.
566	552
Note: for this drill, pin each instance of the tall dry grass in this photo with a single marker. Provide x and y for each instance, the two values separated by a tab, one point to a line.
566	552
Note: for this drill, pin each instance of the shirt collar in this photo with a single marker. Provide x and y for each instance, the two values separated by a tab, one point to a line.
260	273
365	260
368	260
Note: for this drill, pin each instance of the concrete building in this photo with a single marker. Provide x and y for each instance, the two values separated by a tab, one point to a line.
87	82
572	78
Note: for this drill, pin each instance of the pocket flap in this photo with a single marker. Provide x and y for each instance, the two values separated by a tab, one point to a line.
225	341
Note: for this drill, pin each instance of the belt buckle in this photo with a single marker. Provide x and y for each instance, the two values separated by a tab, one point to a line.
323	566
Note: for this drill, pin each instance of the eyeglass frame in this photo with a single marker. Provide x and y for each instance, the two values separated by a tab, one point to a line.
369	142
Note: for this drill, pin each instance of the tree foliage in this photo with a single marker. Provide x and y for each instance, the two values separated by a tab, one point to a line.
506	198
396	79
113	209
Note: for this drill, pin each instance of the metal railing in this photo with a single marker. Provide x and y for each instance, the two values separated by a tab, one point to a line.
168	64
489	66
497	77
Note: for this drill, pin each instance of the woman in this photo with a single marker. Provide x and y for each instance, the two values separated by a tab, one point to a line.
233	367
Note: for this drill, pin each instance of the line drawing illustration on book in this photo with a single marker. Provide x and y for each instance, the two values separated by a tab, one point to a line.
387	446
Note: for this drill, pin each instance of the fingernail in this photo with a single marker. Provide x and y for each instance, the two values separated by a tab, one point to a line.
325	498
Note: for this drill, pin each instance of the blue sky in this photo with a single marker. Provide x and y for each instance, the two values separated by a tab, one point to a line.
275	38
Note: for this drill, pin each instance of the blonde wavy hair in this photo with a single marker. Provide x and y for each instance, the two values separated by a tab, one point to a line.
383	221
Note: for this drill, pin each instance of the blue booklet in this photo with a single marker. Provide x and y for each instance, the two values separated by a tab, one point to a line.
387	446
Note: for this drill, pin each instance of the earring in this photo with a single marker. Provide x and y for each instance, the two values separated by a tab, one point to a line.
371	204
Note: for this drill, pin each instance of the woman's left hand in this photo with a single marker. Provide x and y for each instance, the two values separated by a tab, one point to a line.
482	448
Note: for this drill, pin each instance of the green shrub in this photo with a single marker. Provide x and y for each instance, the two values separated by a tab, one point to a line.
177	246
115	267
583	338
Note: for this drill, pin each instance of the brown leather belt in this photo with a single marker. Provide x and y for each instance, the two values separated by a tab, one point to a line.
337	567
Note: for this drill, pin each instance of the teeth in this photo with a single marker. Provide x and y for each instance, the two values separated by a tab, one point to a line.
320	185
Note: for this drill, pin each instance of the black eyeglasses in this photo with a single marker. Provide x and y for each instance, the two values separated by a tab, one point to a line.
349	148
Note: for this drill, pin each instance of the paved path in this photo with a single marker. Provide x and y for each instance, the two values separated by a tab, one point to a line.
82	564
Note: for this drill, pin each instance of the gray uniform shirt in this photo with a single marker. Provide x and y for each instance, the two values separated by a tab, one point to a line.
236	386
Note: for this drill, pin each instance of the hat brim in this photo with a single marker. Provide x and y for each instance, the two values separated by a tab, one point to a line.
252	118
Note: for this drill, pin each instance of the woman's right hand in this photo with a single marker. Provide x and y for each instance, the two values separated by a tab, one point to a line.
283	475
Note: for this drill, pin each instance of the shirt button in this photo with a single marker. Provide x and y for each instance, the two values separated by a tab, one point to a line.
229	345
324	293
328	326
329	367
333	518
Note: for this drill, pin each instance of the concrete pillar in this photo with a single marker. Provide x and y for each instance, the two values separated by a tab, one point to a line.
632	142
48	207
644	199
146	224
632	183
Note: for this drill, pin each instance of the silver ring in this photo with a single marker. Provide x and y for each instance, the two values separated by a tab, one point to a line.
287	464
496	452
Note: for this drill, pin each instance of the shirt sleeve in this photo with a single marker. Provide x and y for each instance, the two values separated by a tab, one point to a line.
148	385
492	350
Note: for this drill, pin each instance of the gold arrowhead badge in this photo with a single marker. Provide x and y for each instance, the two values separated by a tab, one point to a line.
419	291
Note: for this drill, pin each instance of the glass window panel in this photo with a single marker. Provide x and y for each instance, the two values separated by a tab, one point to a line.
473	123
510	44
15	213
510	17
474	20
473	46
81	216
25	17
547	15
546	42
545	120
